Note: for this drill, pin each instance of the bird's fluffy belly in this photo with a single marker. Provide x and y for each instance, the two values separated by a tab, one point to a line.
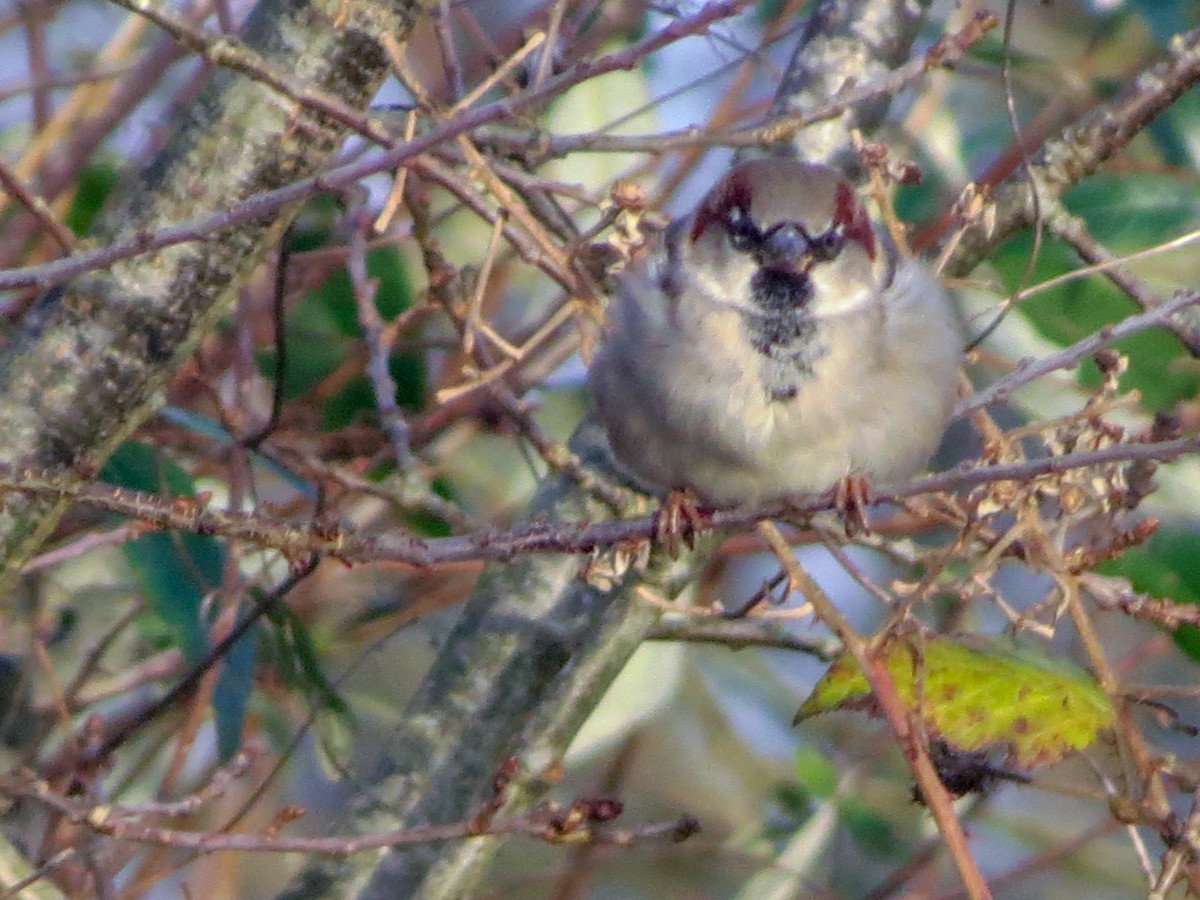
862	410
755	448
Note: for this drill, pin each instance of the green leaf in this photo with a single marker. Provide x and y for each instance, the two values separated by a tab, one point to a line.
923	202
816	782
335	737
231	694
1166	17
323	330
796	804
175	571
358	397
215	431
994	50
393	296
91	190
292	652
315	348
977	699
297	661
314	225
869	829
141	467
1132	211
166	567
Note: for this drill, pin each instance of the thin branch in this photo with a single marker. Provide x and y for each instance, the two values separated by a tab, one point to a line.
548	824
100	750
846	43
229	52
559	458
63	80
38	208
1115	595
538	148
36	885
1078	151
279	328
743	633
1074	231
298	540
908	729
444	27
378	349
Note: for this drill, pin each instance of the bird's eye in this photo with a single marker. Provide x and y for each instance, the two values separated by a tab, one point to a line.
828	245
744	235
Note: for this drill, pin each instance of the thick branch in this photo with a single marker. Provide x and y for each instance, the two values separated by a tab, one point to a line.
845	43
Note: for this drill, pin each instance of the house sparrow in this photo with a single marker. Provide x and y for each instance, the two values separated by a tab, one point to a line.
776	343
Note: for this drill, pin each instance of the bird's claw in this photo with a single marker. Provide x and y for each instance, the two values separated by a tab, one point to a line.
679	518
851	499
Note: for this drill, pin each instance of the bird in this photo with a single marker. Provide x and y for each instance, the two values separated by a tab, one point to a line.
775	343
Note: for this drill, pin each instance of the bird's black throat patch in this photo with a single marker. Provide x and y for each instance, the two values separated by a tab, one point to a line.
783	330
780	290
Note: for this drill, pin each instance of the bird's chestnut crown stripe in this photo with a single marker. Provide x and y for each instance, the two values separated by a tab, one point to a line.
734	194
852	216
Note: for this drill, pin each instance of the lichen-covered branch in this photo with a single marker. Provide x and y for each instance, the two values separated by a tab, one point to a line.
488	684
266	203
531	655
845	43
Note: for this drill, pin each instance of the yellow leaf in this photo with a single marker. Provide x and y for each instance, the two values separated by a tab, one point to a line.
976	699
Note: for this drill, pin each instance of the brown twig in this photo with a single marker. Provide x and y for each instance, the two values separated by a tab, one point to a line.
583	822
1074	231
298	540
907	726
743	633
1079	150
383	385
539	148
38	208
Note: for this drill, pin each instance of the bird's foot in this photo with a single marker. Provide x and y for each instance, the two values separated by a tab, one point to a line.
679	518
851	499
